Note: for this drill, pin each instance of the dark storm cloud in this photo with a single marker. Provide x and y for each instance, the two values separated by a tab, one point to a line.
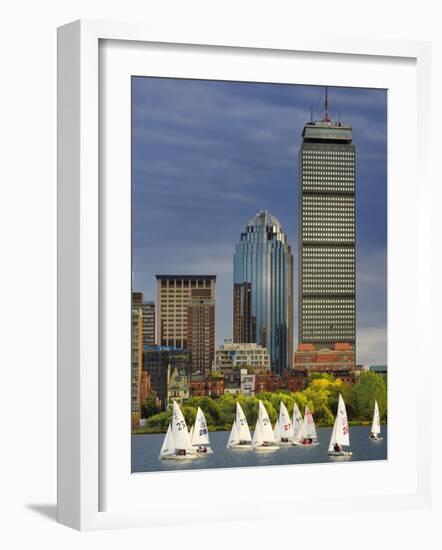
207	155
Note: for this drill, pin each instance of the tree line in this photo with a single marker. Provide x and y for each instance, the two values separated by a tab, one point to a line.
320	395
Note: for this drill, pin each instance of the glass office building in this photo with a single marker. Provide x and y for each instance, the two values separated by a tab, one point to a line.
263	290
327	260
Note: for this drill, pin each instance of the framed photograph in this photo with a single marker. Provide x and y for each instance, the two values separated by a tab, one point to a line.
234	252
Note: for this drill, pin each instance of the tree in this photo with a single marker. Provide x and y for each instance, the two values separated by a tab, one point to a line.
371	387
159	422
149	406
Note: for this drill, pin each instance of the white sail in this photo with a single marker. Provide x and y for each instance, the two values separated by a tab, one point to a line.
181	437
297	423
265	425
308	426
200	434
341	430
376	424
333	436
242	427
168	444
233	439
284	423
191	433
276	431
257	435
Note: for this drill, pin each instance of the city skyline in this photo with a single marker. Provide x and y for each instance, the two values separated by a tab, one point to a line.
233	145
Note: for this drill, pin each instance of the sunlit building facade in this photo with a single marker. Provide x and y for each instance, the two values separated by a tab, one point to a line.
263	290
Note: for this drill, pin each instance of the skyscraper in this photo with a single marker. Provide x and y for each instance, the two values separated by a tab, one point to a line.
148	310
173	295
327	260
263	290
201	329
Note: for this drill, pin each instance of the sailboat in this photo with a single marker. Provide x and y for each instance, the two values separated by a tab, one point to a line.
200	434
177	444
297	425
341	433
307	436
240	437
276	431
283	431
263	438
376	424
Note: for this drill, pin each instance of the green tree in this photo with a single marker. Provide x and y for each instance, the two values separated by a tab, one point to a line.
149	406
371	387
159	422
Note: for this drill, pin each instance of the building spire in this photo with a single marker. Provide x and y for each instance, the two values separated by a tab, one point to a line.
326	118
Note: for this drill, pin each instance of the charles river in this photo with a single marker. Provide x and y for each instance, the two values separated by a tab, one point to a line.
146	448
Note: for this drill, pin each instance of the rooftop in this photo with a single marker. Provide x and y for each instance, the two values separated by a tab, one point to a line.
186	277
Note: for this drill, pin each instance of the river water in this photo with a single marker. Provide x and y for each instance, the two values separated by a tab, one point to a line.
146	448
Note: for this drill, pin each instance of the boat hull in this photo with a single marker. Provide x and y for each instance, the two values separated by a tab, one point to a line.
240	447
296	444
376	438
340	453
266	448
178	457
208	451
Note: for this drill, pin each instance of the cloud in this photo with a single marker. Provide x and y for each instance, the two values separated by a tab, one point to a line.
372	345
208	155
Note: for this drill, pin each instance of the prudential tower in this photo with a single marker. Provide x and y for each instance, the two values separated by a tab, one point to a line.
263	290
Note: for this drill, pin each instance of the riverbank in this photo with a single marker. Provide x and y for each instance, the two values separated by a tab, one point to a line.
146	430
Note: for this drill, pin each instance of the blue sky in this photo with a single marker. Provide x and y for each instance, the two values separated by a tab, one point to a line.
208	155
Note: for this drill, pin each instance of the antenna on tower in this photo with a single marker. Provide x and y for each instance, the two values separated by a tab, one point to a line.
311	114
326	119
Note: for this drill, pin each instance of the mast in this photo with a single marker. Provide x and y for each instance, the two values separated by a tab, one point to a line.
326	117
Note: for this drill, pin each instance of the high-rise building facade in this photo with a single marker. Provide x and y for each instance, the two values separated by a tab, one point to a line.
263	290
201	329
327	259
173	295
136	365
148	310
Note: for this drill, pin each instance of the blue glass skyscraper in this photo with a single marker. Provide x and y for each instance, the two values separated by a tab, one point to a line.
263	290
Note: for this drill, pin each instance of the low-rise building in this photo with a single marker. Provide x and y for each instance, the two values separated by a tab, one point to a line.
157	360
177	385
339	361
247	383
231	356
269	382
206	385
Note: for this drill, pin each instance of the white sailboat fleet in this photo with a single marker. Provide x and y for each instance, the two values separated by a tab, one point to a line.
375	433
180	444
341	433
240	437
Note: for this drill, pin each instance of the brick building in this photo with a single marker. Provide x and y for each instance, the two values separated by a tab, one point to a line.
206	385
339	361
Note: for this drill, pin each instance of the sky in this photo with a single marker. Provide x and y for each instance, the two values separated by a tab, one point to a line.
208	155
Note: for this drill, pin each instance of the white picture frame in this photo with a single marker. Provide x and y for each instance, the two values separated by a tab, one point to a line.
82	396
